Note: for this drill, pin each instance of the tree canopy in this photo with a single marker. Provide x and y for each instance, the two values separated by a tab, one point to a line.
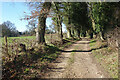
80	18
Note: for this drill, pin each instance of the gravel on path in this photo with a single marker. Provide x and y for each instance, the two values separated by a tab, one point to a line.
75	62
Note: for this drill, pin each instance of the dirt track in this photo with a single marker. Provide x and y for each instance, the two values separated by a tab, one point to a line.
76	62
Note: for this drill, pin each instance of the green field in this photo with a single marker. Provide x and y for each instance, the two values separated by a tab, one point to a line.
22	37
17	38
48	37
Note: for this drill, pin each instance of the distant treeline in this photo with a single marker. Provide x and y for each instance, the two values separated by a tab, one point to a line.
9	30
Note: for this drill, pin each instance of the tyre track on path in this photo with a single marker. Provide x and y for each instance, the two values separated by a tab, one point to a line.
83	65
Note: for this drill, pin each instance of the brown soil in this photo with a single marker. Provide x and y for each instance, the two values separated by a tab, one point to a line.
76	62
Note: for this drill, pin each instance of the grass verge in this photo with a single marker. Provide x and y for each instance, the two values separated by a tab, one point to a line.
106	56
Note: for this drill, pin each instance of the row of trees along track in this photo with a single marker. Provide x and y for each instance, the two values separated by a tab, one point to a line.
80	18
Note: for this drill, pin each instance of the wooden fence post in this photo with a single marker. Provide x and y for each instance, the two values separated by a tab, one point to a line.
6	44
51	37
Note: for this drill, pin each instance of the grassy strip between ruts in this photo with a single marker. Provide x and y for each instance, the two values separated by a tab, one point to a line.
71	60
108	57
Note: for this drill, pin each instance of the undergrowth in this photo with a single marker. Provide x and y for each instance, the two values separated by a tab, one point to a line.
30	63
105	55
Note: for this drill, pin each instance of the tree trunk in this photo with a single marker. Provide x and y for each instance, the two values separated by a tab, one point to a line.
69	35
84	34
69	28
75	32
91	35
91	17
101	36
59	23
72	31
60	34
40	31
69	23
78	33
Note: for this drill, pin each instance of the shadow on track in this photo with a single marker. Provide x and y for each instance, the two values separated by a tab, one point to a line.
83	50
